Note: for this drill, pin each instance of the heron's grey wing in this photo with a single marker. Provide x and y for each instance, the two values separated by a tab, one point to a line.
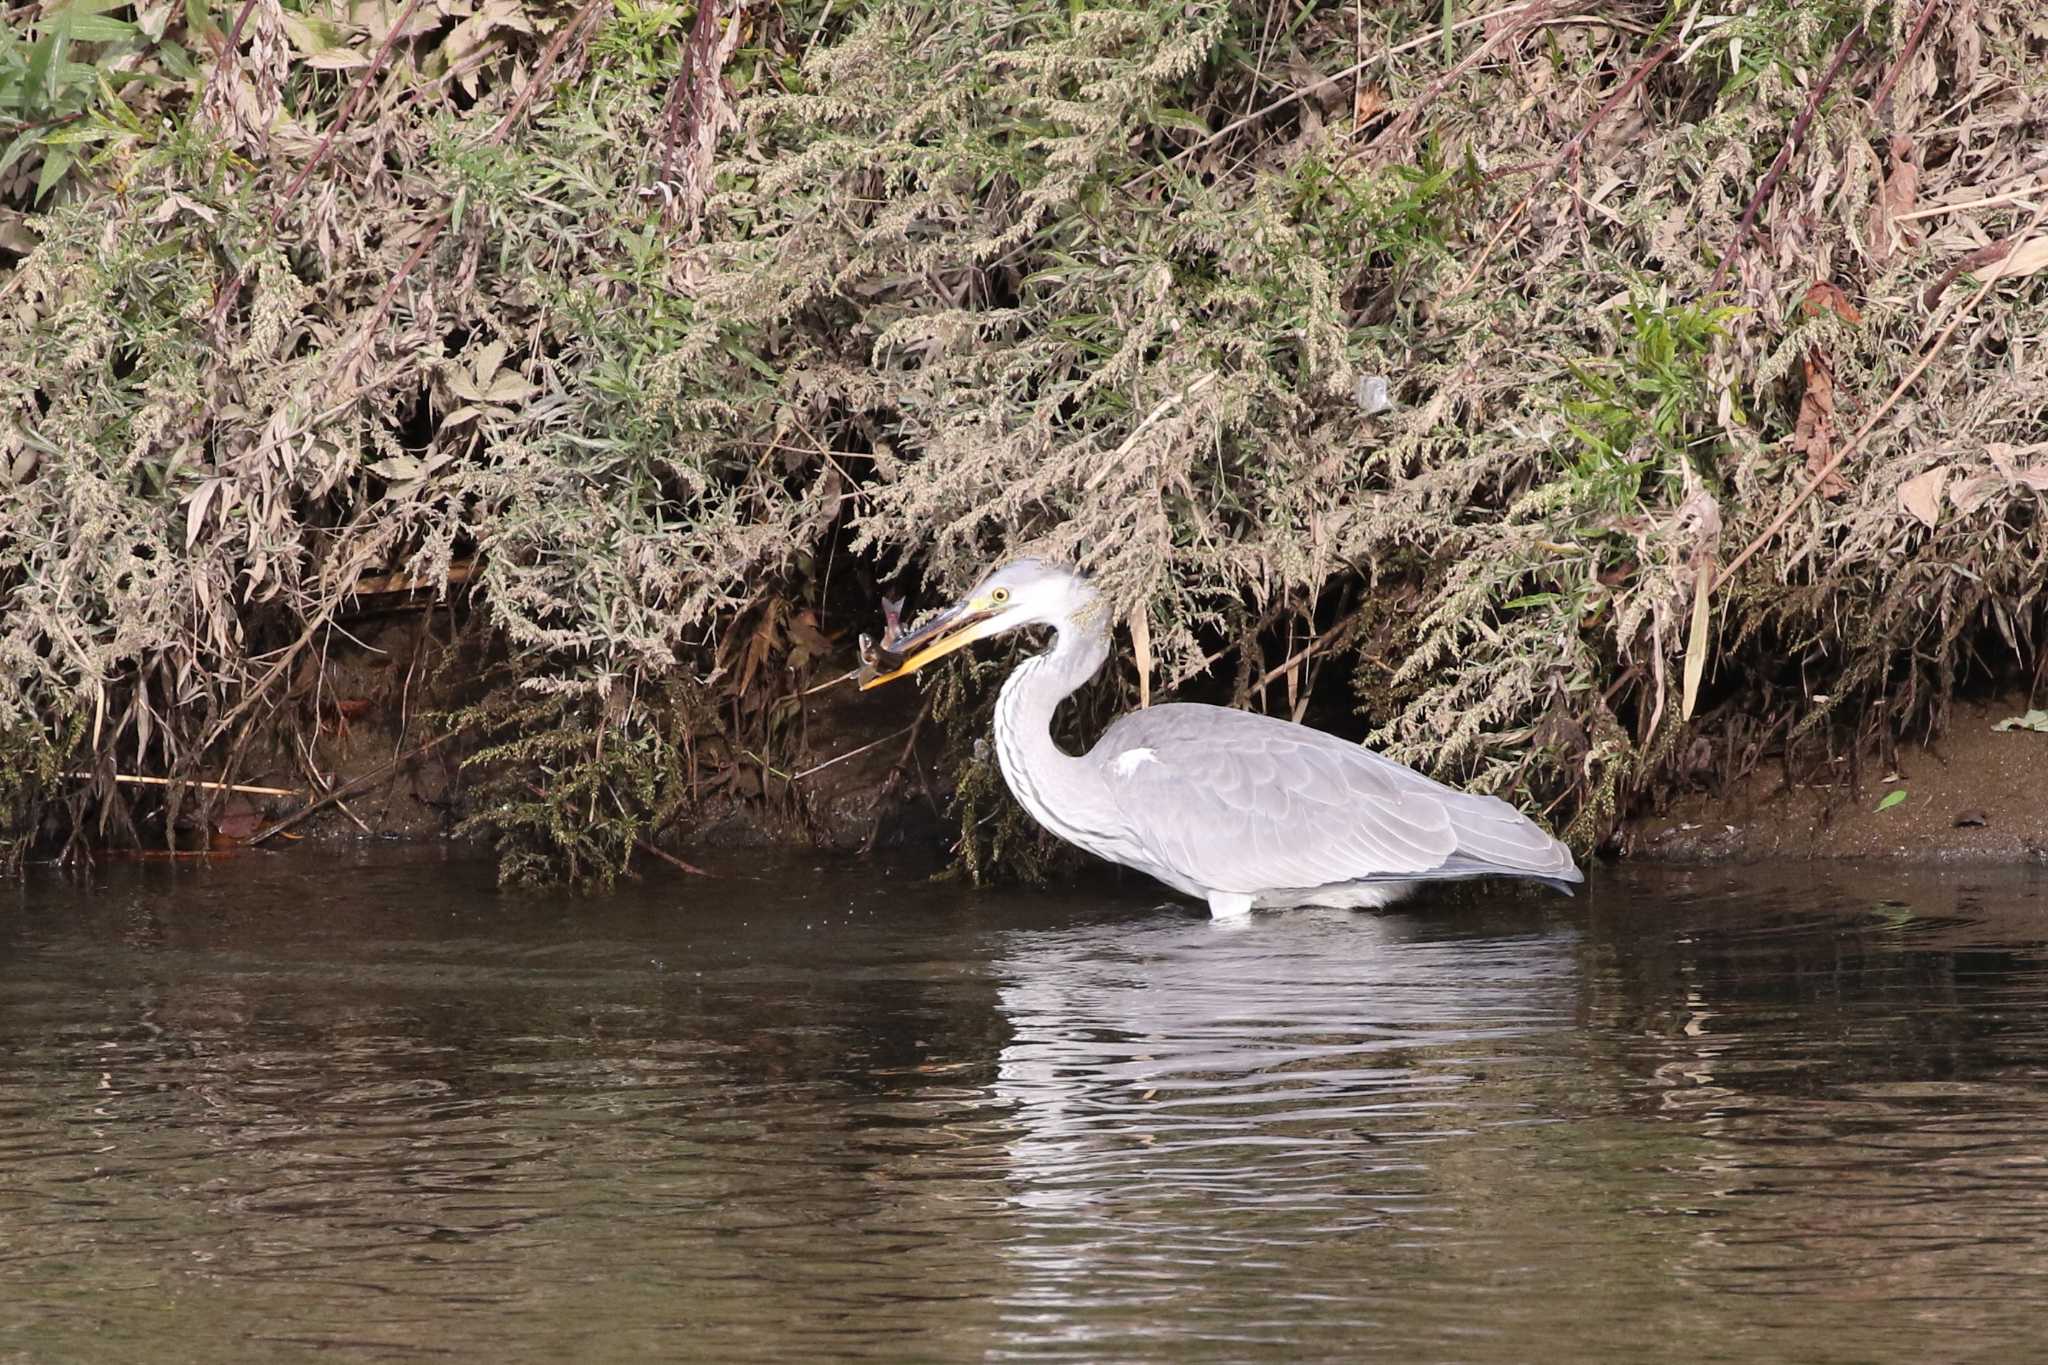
1240	802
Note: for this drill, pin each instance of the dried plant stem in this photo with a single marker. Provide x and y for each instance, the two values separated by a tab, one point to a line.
1303	92
904	760
1152	419
851	675
585	18
13	128
851	753
1854	443
1884	89
142	780
1570	150
1793	142
344	114
1306	651
459	572
350	788
1403	124
2018	196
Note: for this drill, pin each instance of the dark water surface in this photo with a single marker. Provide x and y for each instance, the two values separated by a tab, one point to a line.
315	1106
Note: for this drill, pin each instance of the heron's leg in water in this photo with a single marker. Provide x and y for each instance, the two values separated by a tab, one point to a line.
1225	903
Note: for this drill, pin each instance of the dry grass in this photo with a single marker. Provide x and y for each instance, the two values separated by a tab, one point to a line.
524	288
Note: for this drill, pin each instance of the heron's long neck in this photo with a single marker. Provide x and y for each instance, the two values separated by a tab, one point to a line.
1062	792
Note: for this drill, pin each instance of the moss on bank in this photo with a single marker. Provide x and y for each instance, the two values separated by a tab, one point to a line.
658	371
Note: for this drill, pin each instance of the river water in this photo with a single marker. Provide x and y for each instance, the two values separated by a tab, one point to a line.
371	1108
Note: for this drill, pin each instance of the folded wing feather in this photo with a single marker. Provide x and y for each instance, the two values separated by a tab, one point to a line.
1241	802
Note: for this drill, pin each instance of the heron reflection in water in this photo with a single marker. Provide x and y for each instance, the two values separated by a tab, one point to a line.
1241	810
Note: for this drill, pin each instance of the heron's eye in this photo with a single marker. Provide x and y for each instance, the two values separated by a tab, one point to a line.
999	596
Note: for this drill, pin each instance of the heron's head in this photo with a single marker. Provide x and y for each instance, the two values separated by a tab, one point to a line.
1023	592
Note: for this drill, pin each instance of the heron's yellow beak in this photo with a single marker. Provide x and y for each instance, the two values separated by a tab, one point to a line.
955	628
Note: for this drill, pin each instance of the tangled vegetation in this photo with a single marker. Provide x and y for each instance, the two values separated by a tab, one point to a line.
626	323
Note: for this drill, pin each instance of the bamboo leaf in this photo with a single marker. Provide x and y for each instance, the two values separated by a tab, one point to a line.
195	510
56	163
1696	638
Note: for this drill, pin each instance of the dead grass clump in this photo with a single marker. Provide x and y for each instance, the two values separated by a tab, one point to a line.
1635	275
638	320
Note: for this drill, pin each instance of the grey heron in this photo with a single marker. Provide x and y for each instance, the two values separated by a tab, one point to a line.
1241	810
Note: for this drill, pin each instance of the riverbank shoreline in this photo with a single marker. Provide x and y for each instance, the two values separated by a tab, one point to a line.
1974	795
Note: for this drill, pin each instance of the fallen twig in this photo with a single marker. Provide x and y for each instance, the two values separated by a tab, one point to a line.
1793	142
1435	35
852	753
1891	78
140	780
347	789
671	859
1570	149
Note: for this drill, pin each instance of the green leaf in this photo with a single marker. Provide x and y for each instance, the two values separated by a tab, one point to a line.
177	61
42	61
20	147
77	135
1167	117
200	22
97	28
56	164
2033	720
1891	800
117	108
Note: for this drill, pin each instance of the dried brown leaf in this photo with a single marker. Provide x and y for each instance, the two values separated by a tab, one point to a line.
2028	258
195	511
1824	297
1967	495
1921	495
1813	431
1894	201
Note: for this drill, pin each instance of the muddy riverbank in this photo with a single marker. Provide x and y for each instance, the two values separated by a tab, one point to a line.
873	778
1975	795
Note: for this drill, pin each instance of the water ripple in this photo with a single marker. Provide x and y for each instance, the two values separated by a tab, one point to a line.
1798	1119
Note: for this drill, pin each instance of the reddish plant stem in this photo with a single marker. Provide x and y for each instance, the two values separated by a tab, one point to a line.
1884	90
585	19
232	285
1402	128
13	129
348	109
1784	158
1570	150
